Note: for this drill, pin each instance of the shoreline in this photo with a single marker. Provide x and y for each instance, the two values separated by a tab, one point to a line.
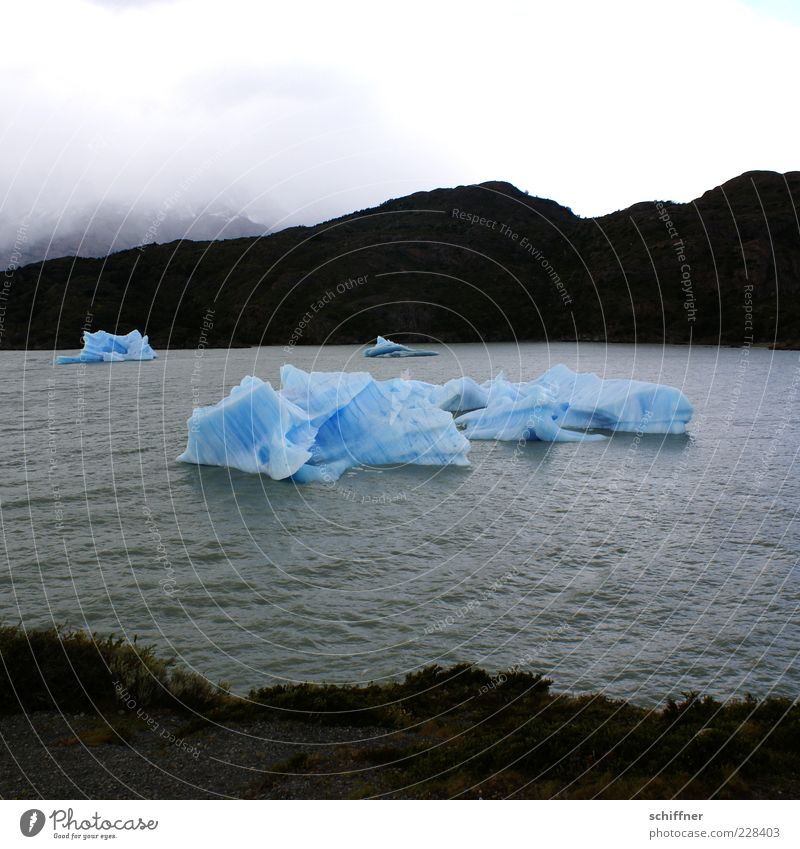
130	724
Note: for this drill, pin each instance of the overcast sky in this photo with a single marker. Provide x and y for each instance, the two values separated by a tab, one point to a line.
318	109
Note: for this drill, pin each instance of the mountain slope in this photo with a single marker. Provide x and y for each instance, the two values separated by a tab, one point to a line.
473	262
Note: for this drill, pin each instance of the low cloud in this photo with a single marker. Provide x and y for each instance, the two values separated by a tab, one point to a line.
292	114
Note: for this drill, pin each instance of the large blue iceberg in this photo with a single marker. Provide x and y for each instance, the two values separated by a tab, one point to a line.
387	348
318	425
255	429
102	347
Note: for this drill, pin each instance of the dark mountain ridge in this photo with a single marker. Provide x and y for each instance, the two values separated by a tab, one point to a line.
474	262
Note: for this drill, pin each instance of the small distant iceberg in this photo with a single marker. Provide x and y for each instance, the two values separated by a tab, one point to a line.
387	348
319	424
102	347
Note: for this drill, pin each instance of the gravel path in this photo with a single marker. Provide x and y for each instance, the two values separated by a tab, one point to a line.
53	756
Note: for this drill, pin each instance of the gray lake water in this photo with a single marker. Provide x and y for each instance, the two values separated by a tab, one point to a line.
641	566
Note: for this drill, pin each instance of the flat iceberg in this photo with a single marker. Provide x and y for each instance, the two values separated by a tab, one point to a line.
561	405
319	424
387	348
102	347
617	404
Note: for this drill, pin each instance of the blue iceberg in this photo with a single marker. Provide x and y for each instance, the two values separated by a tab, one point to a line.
102	347
561	405
529	413
255	429
376	429
321	394
387	348
459	395
405	392
318	425
617	404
